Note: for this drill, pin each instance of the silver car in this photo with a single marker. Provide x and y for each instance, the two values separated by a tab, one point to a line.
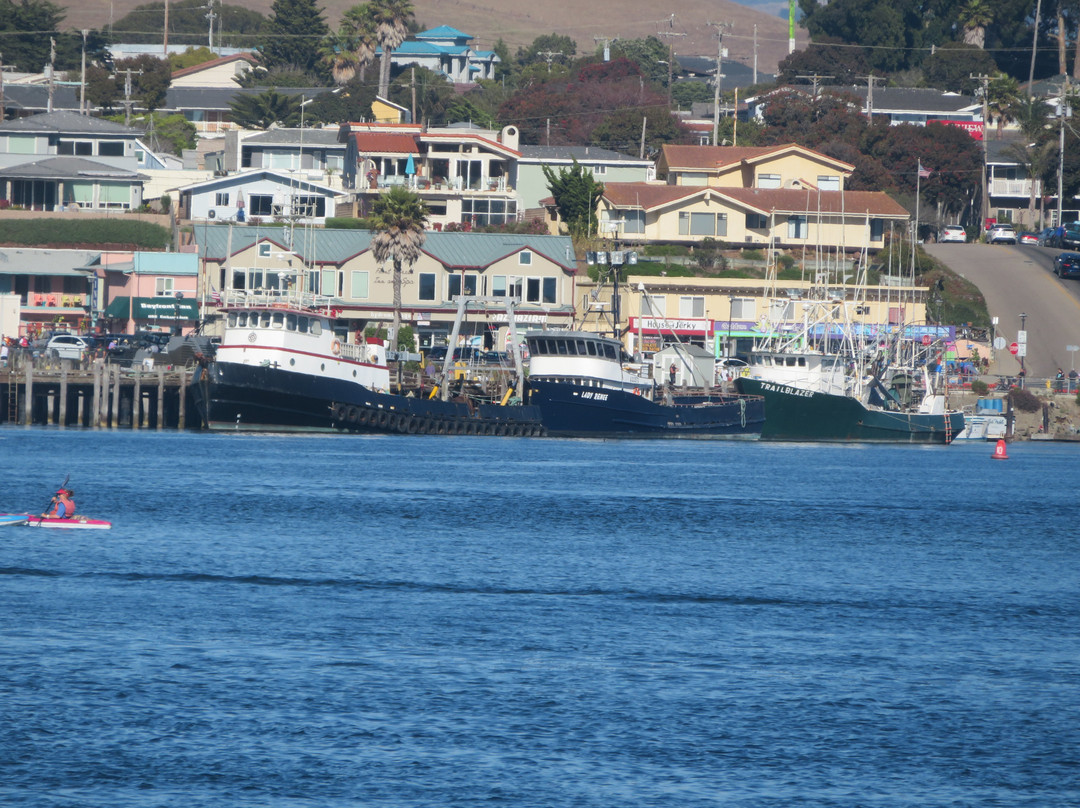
1002	234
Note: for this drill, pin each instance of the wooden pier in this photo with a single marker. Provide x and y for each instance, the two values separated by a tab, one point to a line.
95	395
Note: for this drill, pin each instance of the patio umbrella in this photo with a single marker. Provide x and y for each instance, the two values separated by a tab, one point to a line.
410	166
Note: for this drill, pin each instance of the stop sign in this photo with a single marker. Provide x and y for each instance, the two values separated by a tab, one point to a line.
1014	348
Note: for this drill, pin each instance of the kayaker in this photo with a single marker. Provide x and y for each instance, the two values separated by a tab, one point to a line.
63	505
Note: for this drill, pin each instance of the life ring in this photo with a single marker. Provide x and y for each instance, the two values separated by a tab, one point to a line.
637	391
335	347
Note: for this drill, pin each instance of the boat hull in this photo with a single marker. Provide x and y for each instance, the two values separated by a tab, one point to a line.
794	414
13	519
75	523
234	397
569	409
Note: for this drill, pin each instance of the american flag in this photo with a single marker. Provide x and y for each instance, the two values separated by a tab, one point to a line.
215	296
924	172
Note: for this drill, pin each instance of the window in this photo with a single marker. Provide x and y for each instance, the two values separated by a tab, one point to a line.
331	282
525	258
550	290
458	285
697	224
114	195
221	198
358	284
427	286
742	308
633	221
692	306
260	204
597	170
796	226
877	229
163	287
532	290
111	148
653	305
768	181
721	224
484	212
498	286
782	310
828	182
693	178
756	221
77	147
309	206
264	249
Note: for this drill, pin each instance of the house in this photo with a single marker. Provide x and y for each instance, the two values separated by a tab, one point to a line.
314	154
56	289
143	291
462	173
527	172
259	194
220	72
780	195
340	265
914	105
447	51
63	159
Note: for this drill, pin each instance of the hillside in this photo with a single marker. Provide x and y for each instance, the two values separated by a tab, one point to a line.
519	24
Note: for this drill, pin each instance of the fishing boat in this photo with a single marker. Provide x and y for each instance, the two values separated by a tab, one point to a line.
13	519
585	385
287	364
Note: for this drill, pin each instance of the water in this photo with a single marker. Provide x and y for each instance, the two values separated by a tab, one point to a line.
334	621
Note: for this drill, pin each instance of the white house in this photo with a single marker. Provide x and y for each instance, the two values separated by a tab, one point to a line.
261	194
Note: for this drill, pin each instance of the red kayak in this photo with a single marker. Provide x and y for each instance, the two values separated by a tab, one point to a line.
75	523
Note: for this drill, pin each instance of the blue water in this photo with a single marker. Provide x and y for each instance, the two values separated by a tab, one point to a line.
390	621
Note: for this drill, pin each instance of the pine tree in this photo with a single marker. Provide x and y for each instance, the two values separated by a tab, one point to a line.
576	193
294	35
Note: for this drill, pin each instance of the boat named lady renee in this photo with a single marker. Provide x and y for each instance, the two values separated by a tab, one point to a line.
582	385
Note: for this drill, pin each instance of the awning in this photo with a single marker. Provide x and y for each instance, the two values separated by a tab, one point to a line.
152	308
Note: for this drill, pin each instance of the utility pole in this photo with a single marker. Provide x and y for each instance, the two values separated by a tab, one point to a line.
211	16
607	40
3	112
548	56
985	207
720	27
52	71
127	93
870	81
165	35
755	53
82	80
815	80
670	35
1063	94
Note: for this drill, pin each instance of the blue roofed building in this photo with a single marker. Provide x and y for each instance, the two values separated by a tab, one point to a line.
447	51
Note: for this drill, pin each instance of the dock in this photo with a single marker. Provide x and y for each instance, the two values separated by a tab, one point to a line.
95	394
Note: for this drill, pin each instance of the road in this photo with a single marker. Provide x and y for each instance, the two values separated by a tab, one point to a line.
1017	280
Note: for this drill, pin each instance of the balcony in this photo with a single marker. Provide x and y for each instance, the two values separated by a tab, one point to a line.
1014	188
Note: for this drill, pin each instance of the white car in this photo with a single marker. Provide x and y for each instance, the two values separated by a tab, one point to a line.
1002	234
67	346
953	232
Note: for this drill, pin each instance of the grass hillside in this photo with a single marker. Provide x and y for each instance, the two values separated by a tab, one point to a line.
520	23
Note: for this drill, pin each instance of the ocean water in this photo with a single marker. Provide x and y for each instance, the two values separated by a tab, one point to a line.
431	621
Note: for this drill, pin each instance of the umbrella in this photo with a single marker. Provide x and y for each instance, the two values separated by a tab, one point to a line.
410	166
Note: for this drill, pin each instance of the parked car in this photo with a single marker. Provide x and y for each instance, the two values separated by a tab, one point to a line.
1045	236
953	232
1067	265
1027	237
68	346
1001	234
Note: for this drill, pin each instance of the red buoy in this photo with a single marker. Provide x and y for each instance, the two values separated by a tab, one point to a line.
999	451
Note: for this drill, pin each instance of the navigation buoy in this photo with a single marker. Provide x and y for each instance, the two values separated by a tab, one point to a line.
999	451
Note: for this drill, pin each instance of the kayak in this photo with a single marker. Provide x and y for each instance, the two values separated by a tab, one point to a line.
75	523
13	519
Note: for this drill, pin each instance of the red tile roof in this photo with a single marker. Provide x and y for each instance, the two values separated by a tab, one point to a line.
713	158
646	195
385	143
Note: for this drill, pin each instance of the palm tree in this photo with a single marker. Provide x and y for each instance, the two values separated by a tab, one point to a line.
352	50
1002	96
398	218
263	110
391	18
973	19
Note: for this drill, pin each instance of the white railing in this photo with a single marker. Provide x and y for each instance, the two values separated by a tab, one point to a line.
1021	188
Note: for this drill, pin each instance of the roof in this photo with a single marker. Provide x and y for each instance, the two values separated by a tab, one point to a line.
236	57
28	261
714	158
218	98
65	122
329	246
65	168
256	174
648	196
583	154
908	99
443	32
385	143
323	138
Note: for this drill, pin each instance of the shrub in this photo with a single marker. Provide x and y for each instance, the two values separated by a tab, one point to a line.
979	387
117	232
785	261
1024	400
753	255
345	223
